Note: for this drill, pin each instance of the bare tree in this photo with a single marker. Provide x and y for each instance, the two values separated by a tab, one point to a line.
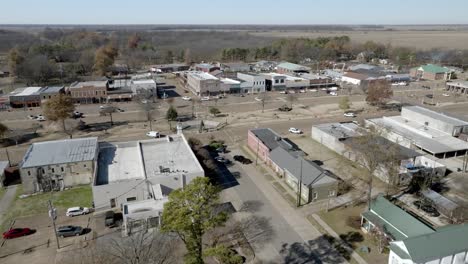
263	99
149	110
292	98
144	247
108	110
379	92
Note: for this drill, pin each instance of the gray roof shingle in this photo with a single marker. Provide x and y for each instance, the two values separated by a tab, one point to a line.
312	174
60	152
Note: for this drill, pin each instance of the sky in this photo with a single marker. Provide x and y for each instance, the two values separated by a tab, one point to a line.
233	12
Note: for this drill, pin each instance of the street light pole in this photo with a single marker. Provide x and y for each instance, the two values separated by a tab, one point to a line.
53	217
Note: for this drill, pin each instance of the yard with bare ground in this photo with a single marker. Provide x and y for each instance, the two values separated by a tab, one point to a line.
338	220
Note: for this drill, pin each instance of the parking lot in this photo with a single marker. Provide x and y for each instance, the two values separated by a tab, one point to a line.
41	246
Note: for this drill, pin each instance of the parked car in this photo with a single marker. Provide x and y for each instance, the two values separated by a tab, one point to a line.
222	160
349	114
284	92
186	98
333	94
430	96
17	232
446	94
285	108
119	110
258	99
205	98
67	231
109	219
77	114
242	159
74	211
153	134
295	130
32	117
303	91
41	118
220	96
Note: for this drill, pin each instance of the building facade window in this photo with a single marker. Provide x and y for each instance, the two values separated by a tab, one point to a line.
29	173
131	199
314	196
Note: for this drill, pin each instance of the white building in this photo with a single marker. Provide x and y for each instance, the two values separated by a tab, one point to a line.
253	83
447	245
54	165
424	129
144	172
354	78
275	81
202	83
147	87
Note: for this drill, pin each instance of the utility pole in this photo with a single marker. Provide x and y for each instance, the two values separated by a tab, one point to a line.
8	156
53	217
299	192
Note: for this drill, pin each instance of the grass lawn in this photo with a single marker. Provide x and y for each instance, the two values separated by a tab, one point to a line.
336	219
37	204
2	192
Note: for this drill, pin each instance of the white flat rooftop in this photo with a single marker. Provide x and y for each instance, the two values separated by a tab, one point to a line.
427	138
119	162
229	81
436	115
202	75
27	91
160	161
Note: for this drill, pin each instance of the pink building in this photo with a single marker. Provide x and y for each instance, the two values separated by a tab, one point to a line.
263	140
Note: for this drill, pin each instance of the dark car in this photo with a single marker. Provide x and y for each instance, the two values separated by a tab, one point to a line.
430	96
285	108
109	219
222	160
67	231
17	232
242	159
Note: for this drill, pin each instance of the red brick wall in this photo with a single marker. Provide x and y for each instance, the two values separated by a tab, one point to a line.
254	144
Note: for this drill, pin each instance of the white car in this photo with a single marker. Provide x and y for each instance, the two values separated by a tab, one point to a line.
445	94
258	99
295	130
40	118
74	211
284	92
292	92
153	134
333	94
313	90
205	98
32	117
186	98
303	91
349	114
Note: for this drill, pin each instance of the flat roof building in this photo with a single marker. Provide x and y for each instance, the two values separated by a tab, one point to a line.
89	92
202	83
138	170
460	87
424	129
26	97
291	68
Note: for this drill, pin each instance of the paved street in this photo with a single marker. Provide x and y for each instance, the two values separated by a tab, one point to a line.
291	229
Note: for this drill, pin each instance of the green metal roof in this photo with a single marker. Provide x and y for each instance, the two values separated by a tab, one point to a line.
396	222
445	241
434	68
292	66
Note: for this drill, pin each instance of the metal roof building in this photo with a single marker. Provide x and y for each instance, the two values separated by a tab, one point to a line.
60	152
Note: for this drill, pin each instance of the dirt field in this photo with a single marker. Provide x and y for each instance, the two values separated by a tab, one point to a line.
415	38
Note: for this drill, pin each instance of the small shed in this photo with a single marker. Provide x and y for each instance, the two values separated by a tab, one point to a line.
446	206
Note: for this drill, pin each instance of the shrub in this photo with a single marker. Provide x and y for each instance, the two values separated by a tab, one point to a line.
353	221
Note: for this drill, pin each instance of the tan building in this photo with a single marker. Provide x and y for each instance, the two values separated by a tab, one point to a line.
89	92
202	83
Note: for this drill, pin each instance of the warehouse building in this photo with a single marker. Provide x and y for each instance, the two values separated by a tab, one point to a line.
420	128
26	97
291	68
202	83
55	165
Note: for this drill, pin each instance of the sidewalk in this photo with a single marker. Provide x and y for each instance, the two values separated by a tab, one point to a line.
6	200
354	255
